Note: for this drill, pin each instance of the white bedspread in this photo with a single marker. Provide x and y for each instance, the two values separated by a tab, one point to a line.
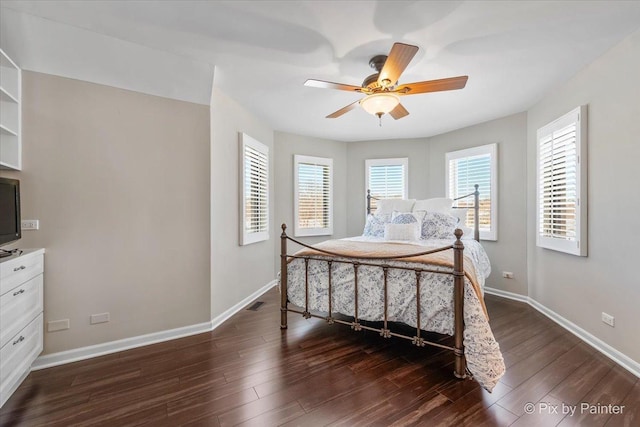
484	359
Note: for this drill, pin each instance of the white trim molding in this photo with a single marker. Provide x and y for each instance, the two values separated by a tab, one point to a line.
595	342
82	353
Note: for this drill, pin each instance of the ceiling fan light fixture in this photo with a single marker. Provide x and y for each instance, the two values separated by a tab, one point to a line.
380	103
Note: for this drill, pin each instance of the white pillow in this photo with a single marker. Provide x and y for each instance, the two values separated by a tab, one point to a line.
467	233
461	214
438	204
387	206
402	231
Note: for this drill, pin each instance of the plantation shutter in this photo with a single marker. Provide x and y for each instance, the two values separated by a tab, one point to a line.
466	168
313	196
464	174
387	181
557	183
256	213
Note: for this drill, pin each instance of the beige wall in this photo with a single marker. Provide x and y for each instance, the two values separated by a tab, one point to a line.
120	183
236	271
580	288
426	179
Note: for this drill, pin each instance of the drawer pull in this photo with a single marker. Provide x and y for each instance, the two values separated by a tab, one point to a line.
21	291
19	340
22	267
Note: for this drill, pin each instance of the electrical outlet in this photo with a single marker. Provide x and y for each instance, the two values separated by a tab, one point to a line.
507	274
58	325
30	224
99	318
608	319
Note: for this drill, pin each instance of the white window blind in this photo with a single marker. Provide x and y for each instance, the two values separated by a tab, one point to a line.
561	195
466	168
313	196
387	179
255	190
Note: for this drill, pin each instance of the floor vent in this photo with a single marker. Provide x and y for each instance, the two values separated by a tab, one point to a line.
255	306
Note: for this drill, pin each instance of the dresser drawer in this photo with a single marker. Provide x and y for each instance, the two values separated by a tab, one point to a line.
14	272
18	307
17	355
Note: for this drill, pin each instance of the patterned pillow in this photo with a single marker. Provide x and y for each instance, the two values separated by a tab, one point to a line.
374	226
406	217
437	225
384	217
403	218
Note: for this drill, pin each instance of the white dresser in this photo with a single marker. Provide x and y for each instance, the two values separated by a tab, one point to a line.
21	328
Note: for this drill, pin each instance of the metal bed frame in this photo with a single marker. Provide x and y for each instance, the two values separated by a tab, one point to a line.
382	262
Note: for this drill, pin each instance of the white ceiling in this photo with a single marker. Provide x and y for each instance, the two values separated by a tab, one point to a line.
262	52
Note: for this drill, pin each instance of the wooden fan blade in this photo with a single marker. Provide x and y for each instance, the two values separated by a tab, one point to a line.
330	85
451	83
399	112
343	110
399	57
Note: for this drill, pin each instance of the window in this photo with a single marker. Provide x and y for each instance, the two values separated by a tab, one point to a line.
562	185
465	169
387	179
254	191
313	196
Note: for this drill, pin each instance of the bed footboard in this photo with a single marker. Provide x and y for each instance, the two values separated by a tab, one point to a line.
458	294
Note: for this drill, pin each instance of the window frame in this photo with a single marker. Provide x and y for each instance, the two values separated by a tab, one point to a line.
395	161
319	161
578	245
492	151
247	236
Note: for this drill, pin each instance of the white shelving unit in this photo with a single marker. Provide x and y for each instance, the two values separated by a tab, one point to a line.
10	114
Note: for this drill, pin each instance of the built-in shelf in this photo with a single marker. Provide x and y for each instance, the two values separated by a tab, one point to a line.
7	131
7	97
10	114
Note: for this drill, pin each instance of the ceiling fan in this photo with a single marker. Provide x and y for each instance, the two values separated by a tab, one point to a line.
382	89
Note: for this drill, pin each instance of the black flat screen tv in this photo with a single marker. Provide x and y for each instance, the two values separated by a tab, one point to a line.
10	229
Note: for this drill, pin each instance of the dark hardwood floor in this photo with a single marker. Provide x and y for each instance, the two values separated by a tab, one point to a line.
248	372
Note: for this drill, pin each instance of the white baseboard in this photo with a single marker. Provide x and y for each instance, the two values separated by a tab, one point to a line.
236	308
506	294
77	354
595	342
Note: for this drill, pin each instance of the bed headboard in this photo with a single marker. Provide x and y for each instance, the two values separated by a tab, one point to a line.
476	209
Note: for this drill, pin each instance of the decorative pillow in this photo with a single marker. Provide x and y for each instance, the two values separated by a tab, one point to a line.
385	218
438	204
409	231
407	217
387	206
374	226
438	225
